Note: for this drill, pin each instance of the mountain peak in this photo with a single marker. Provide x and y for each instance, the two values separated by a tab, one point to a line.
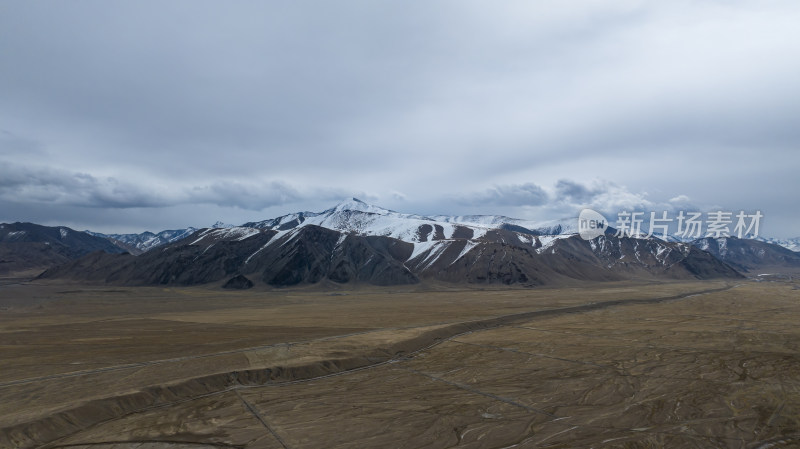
355	204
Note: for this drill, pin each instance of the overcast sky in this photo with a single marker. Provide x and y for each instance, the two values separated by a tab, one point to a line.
148	115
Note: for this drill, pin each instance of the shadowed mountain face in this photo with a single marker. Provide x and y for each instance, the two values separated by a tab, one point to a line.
355	242
511	259
28	246
746	255
312	254
238	282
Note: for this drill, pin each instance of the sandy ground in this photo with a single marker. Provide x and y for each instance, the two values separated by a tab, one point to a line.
603	366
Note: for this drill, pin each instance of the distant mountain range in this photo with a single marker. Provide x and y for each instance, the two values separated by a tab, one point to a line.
790	244
368	219
746	255
313	254
28	246
139	243
358	242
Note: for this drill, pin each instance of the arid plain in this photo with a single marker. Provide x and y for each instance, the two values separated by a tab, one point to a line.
613	365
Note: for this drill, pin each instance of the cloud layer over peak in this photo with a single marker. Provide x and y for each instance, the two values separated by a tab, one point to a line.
200	111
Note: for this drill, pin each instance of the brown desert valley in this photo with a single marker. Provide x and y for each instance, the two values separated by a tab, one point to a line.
711	364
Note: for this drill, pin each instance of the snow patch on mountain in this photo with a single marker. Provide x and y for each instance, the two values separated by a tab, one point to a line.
148	240
255	253
357	217
547	227
421	247
238	233
431	251
790	244
201	236
467	248
548	241
16	235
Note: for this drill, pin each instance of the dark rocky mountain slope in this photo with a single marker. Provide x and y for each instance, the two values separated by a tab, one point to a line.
747	254
29	247
312	254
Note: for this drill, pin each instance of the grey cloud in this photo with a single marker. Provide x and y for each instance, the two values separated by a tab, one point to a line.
260	196
252	197
600	194
47	186
573	191
610	199
263	107
528	194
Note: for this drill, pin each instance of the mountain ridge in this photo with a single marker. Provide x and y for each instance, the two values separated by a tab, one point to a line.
354	215
312	254
358	242
29	246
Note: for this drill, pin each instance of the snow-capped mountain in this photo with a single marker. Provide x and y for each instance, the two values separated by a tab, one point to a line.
221	225
313	254
357	217
358	242
354	216
703	242
548	227
790	244
748	254
147	240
